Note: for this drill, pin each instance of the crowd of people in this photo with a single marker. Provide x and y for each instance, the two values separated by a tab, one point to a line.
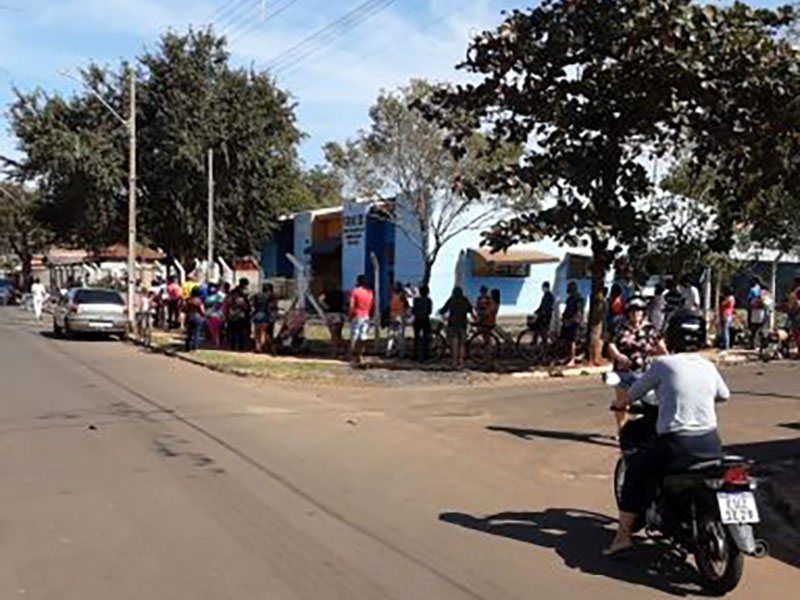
225	316
238	319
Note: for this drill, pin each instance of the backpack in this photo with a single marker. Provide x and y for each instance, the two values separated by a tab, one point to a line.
238	308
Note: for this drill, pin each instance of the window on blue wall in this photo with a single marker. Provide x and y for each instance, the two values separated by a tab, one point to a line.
579	267
486	269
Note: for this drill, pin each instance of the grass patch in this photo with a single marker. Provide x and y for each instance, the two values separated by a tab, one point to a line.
272	367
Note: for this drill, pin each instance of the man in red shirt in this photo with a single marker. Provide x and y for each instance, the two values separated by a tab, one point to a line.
361	300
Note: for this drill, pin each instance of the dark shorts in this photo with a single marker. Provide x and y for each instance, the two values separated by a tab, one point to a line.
260	318
569	332
456	334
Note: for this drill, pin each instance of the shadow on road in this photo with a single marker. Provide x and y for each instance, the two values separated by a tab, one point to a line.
765	395
791	425
597	439
579	537
777	463
770	451
84	337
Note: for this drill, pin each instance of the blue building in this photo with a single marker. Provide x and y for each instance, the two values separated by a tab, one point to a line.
335	245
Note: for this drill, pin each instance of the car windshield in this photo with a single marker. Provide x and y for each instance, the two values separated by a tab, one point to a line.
97	297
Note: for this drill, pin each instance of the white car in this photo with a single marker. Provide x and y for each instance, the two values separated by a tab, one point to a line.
85	310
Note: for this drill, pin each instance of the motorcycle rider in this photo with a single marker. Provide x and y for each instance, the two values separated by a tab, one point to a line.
687	387
635	343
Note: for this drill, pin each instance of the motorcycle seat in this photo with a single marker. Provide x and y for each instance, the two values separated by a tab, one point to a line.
725	461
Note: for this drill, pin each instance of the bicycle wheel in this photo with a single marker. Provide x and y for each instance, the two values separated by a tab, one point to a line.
532	346
438	348
482	348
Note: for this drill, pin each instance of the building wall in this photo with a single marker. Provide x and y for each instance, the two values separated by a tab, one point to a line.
409	265
354	242
518	297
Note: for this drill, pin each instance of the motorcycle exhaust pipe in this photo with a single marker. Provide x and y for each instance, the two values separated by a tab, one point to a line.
761	550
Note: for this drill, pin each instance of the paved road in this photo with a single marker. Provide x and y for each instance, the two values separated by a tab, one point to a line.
128	475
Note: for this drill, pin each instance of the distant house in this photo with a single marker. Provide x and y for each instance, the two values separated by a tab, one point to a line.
765	264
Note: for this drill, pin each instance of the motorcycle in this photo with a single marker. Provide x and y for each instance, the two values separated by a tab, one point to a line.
707	510
774	345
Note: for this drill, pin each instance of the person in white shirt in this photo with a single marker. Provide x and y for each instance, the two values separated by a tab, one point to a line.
39	295
691	296
656	308
687	387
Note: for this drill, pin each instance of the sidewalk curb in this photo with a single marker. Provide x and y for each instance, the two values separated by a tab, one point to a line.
732	359
197	362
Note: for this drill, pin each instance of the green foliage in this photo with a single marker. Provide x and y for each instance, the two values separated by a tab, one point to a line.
595	88
189	100
319	188
402	154
20	231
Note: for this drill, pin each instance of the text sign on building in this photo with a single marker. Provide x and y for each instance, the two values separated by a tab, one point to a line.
354	228
354	241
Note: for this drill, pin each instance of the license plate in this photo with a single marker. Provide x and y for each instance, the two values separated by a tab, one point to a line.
738	507
98	325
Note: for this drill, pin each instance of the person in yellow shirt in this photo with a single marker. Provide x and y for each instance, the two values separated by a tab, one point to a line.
188	286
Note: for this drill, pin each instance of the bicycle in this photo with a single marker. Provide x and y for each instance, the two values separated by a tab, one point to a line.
533	342
488	343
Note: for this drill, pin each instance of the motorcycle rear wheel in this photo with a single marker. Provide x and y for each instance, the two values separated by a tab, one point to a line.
718	559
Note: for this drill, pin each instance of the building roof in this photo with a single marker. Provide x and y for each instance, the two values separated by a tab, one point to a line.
515	257
120	252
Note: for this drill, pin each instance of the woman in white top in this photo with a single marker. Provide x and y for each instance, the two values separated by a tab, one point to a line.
39	295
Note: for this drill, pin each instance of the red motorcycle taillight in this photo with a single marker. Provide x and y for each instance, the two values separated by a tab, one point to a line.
736	476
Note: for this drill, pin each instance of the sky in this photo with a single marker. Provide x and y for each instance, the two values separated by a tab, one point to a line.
333	80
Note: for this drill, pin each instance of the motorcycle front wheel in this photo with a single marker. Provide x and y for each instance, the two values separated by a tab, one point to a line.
718	559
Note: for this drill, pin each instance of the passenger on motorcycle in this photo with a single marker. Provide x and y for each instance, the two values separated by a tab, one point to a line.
635	343
687	387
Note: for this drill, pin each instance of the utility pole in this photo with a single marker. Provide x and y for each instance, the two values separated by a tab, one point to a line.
210	268
132	199
130	127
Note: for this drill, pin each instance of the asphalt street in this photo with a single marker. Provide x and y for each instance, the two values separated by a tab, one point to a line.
127	475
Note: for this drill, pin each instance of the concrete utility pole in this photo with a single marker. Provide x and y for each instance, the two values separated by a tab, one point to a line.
132	200
130	127
210	268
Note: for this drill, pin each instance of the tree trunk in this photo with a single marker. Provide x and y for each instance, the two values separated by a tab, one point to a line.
596	316
27	271
426	275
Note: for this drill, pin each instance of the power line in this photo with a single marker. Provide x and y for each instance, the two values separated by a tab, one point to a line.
382	48
235	14
330	31
256	23
225	7
312	44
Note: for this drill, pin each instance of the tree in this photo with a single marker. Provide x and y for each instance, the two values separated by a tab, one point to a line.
76	152
20	232
319	188
189	101
594	89
402	155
